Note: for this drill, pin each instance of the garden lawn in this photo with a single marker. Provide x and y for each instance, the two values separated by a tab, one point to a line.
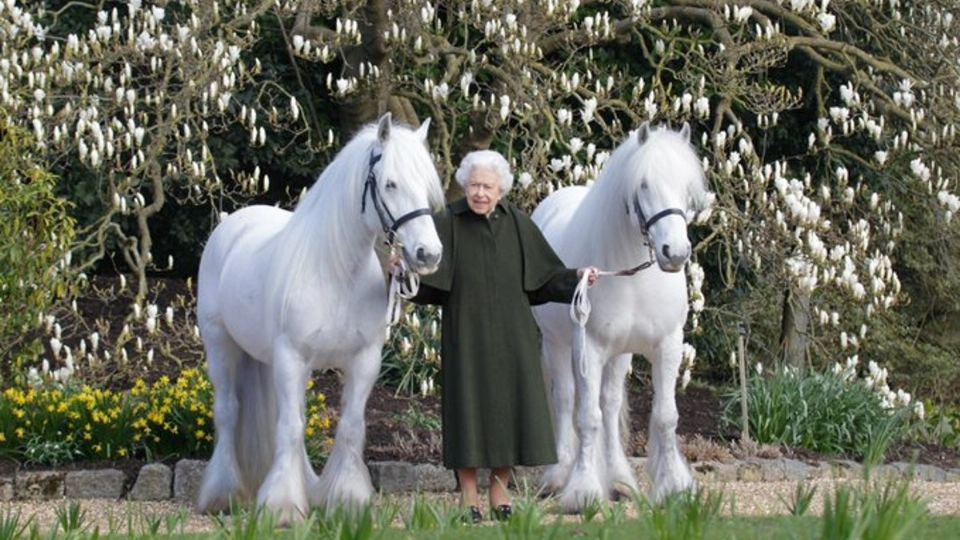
763	528
875	511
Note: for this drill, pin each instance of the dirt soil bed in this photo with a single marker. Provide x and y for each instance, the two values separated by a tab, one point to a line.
391	435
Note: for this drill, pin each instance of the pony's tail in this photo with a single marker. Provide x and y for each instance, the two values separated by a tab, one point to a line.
256	428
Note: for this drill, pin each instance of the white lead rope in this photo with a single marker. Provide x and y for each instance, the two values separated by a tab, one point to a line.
580	312
404	285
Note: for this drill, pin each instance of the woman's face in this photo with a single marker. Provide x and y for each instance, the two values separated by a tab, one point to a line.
483	190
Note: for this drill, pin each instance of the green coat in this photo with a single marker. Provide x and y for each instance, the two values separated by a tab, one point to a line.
495	411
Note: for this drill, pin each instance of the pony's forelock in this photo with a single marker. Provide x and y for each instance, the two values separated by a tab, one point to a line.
415	163
666	158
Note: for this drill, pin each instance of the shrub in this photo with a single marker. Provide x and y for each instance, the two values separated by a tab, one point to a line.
159	421
174	419
97	422
827	413
35	232
110	338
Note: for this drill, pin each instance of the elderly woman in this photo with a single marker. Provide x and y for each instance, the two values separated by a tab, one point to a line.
496	264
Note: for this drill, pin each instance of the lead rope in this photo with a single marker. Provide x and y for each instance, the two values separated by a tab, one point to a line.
404	285
580	310
579	313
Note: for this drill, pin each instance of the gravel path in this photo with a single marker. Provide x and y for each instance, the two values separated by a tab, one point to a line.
748	498
767	498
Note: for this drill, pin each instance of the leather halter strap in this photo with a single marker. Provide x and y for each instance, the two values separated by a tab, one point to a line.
645	224
389	223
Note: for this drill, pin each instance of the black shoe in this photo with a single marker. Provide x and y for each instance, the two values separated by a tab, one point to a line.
475	515
503	512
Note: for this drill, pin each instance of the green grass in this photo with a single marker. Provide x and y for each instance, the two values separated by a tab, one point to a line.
768	528
870	511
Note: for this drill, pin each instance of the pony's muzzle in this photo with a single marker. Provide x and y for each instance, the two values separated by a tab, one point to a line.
426	260
671	259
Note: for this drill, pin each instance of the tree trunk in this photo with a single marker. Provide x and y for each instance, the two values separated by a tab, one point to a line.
794	338
365	107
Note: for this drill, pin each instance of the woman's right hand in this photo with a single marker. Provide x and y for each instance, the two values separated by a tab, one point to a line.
593	272
395	263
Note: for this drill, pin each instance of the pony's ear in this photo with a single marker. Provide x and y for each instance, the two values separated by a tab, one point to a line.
422	130
383	128
685	131
643	132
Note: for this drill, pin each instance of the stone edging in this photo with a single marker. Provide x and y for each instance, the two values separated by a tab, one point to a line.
158	482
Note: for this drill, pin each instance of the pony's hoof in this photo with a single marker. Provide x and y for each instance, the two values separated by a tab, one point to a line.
285	515
623	488
220	497
574	500
553	480
622	492
660	493
215	505
349	498
286	507
549	489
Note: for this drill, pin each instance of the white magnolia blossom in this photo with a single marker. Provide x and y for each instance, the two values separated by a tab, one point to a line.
950	202
827	21
918	410
589	106
920	169
741	14
702	107
576	144
504	106
696	277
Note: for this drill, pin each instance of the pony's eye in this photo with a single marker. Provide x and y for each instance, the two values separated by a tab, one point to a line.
390	184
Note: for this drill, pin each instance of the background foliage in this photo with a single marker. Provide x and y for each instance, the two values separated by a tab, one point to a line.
829	413
827	130
36	233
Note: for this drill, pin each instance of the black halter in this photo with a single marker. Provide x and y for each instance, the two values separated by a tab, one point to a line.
387	221
645	223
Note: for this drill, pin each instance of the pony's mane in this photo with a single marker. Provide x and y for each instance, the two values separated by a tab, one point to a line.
666	160
326	237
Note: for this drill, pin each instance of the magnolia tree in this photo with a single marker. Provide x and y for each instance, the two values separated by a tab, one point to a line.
827	129
134	92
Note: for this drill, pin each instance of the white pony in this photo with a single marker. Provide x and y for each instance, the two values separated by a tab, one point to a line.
281	294
635	212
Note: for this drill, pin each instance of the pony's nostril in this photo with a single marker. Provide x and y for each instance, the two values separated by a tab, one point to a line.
421	255
666	251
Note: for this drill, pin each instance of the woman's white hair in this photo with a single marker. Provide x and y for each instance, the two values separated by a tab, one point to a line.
485	159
